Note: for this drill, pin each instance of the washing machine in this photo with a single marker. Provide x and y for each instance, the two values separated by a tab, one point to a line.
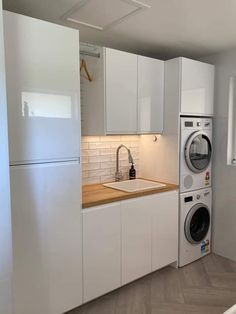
194	225
195	153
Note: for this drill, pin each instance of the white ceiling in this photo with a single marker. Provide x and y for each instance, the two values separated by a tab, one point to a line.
191	28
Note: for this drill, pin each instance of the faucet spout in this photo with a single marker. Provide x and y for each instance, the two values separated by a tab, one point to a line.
118	174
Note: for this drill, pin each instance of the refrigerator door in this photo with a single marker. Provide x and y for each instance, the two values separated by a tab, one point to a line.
42	72
47	235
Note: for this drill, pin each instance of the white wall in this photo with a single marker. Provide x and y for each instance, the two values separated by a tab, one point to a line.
224	176
5	215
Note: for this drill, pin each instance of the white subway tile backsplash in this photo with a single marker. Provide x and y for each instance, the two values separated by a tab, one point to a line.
85	174
99	157
106	151
90	152
91	180
91	166
107	178
108	165
98	145
129	138
100	172
114	138
84	159
84	146
90	139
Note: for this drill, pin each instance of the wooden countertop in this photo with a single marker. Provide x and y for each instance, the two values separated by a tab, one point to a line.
97	194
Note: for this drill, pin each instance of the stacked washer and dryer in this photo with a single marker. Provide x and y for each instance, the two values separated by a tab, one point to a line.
195	188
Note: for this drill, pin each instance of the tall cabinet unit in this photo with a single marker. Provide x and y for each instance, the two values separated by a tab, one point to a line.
44	132
189	90
126	95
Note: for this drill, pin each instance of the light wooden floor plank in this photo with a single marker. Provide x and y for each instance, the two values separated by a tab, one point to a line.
207	286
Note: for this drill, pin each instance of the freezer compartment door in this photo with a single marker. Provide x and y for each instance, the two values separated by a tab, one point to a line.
42	74
46	213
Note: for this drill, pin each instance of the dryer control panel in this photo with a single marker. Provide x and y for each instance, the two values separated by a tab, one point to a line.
196	123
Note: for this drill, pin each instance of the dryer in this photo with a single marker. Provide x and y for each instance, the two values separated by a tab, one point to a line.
195	153
194	225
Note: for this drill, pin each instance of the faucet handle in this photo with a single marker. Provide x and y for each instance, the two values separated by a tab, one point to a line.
118	176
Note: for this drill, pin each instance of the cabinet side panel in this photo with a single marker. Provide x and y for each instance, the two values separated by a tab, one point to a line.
160	159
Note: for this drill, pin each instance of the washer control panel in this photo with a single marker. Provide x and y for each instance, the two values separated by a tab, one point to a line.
197	196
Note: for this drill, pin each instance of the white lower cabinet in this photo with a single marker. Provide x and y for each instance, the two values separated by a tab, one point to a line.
101	250
136	238
126	240
164	229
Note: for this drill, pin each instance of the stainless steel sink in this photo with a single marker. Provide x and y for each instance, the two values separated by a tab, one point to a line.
135	185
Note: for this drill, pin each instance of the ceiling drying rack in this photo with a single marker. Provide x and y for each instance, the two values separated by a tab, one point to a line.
91	50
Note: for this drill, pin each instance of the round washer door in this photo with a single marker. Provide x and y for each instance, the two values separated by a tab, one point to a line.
197	223
198	152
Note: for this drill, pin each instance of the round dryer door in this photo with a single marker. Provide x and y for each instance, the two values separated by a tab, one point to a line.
197	223
198	152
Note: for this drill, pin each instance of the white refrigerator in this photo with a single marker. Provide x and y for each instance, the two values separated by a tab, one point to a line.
42	75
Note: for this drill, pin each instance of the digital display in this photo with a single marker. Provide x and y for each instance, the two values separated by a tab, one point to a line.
188	123
188	199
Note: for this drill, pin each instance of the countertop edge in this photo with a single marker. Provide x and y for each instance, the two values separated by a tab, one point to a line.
105	195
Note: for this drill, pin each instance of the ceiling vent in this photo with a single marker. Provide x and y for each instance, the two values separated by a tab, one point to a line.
103	14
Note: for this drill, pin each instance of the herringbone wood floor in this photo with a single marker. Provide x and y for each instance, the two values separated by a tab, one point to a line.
207	286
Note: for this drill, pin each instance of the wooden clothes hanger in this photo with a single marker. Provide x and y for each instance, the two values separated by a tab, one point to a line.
83	65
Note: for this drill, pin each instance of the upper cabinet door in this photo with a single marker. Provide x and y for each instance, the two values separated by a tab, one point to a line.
121	92
42	89
150	95
197	87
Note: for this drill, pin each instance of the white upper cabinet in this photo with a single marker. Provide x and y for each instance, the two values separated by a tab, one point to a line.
150	95
121	92
189	87
197	87
125	96
42	89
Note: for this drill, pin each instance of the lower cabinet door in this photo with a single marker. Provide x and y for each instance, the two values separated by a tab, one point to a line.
101	250
164	229
136	238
